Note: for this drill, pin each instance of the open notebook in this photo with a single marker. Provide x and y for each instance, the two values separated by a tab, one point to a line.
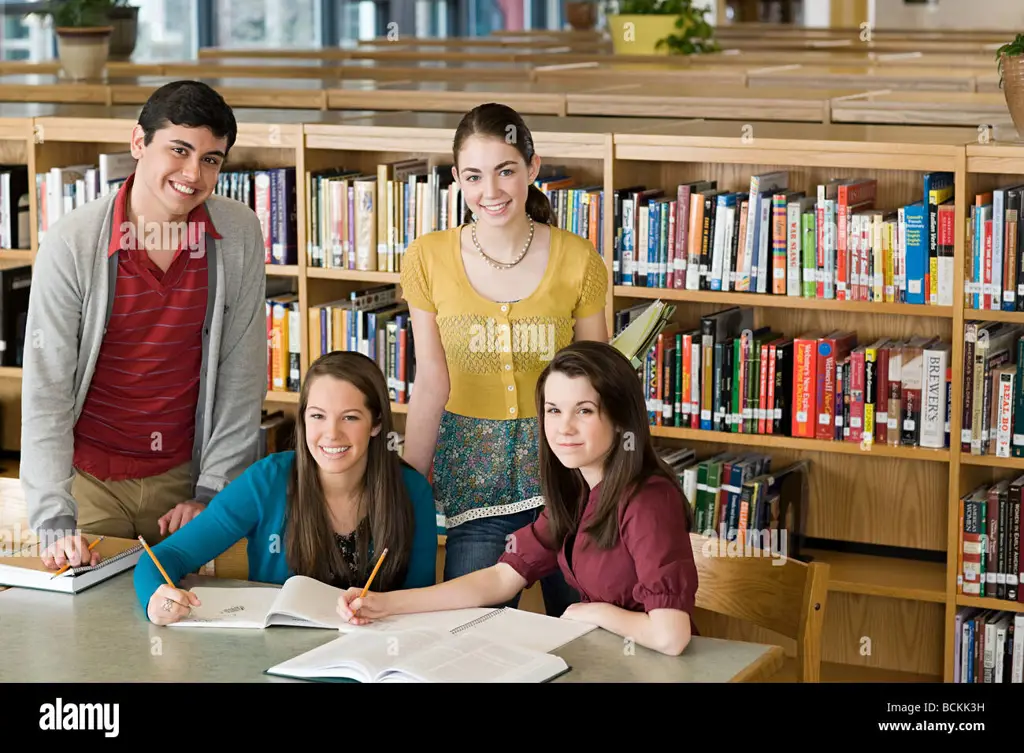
306	602
24	568
500	645
300	602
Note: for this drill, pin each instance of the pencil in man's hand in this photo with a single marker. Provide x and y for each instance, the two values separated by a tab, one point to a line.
67	566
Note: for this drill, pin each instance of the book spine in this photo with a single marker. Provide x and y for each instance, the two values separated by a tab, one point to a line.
804	387
933	407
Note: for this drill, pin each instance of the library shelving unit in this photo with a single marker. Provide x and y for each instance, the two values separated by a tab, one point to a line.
890	585
883	516
989	166
15	149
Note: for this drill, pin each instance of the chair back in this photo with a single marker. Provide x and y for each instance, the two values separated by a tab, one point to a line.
766	589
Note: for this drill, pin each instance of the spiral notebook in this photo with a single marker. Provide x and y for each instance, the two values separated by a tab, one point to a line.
500	645
25	569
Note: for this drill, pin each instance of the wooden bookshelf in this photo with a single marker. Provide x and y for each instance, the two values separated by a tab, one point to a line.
864	496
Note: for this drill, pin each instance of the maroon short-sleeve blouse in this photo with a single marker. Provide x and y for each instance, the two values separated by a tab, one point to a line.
651	566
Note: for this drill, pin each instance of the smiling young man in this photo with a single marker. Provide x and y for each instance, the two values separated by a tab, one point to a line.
145	378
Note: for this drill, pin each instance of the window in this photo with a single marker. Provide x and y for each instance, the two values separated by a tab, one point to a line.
167	30
267	23
22	36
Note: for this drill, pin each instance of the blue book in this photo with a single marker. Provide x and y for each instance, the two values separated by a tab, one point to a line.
916	216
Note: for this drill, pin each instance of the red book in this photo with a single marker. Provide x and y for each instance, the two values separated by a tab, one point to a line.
804	380
831	349
857	395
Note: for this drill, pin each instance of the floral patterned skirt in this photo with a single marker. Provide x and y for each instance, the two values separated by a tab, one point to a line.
485	467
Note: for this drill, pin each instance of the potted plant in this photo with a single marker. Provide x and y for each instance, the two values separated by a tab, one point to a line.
652	27
83	32
124	18
1010	59
582	15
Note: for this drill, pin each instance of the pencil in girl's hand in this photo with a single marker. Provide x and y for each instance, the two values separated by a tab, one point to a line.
157	563
376	567
91	547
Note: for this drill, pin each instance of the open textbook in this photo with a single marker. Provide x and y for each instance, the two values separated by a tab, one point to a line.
300	602
306	602
501	645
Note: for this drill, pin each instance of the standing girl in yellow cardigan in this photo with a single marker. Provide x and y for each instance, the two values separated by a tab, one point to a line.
491	301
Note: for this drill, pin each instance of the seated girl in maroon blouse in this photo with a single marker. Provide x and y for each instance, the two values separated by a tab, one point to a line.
615	520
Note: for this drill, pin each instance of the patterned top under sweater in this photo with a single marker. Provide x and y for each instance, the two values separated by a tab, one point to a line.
495	351
347	546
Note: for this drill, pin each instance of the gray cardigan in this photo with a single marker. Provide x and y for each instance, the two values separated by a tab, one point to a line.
71	300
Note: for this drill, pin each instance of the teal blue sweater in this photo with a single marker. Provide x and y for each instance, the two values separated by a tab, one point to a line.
253	507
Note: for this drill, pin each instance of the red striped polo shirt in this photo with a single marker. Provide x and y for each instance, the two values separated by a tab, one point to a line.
139	415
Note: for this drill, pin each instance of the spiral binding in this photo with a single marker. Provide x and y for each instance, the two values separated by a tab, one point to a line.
104	562
479	620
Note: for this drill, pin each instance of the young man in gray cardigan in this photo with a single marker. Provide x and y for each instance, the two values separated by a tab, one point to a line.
146	363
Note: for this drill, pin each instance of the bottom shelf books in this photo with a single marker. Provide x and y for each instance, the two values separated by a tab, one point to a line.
991	541
988	646
738	499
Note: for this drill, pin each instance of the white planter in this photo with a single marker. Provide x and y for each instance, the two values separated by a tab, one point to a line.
83	52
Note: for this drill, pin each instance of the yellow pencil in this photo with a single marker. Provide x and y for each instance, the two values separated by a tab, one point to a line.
158	565
366	588
91	547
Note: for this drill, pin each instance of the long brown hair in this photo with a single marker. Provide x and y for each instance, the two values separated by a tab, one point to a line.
632	459
389	520
503	123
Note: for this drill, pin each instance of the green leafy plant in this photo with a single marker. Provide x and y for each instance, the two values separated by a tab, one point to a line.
1010	49
694	36
78	13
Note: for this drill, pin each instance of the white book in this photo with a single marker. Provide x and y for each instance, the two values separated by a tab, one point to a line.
309	603
502	645
1017	675
300	602
999	653
933	396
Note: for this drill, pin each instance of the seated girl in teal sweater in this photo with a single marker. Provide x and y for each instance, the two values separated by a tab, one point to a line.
325	510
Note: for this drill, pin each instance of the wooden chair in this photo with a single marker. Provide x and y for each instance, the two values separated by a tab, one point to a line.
788	598
233	563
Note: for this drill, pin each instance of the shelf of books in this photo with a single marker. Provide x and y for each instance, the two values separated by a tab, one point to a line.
813	283
985	514
827	310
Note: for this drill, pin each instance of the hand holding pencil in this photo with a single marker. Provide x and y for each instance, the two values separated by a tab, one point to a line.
358	606
168	603
70	551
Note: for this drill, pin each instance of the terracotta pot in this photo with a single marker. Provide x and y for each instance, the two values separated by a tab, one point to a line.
83	52
1013	89
125	22
582	16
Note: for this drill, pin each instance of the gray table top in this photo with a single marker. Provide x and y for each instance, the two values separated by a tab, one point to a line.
102	635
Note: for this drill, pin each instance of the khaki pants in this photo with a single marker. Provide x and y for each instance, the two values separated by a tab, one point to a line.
129	508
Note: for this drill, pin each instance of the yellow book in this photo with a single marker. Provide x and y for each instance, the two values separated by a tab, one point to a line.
636	340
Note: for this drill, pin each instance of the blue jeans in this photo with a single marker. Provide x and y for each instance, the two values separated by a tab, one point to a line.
477	544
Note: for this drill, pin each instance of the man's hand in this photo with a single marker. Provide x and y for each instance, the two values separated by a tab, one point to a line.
179	515
69	550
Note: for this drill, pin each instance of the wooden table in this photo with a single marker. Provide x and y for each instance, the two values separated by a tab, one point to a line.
102	635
